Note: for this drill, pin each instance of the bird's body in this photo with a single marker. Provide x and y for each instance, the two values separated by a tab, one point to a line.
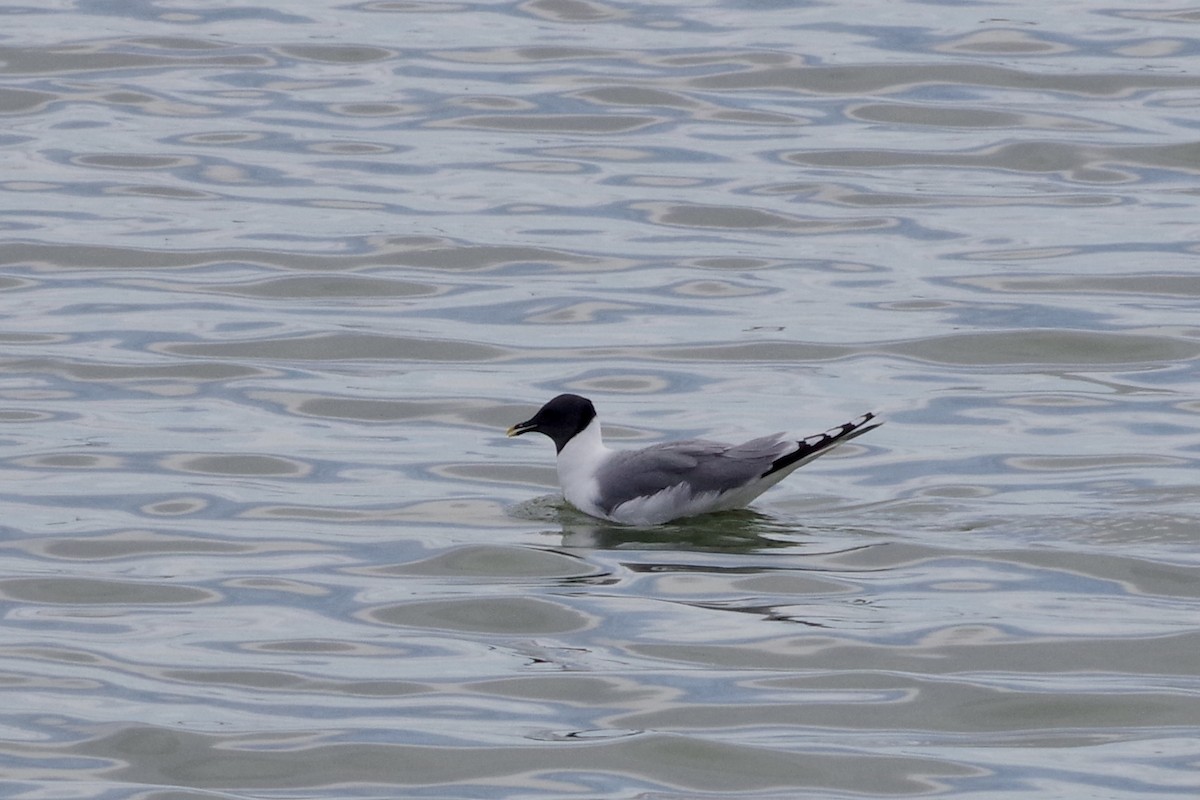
676	479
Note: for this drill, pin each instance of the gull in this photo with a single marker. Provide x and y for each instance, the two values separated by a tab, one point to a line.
671	480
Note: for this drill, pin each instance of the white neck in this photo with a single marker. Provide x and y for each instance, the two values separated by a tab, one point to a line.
577	465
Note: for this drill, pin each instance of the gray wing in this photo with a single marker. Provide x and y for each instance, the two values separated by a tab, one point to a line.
703	465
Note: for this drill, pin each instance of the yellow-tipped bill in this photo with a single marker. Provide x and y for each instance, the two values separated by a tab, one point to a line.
519	428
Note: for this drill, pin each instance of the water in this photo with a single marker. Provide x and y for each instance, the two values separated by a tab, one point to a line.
277	277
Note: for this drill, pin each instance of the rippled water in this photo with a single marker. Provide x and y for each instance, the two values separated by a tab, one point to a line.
277	277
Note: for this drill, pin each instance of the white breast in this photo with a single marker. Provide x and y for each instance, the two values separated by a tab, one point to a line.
578	463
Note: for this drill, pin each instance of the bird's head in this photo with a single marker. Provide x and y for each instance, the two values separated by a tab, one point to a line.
560	419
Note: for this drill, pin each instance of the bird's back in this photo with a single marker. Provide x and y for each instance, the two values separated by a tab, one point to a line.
695	466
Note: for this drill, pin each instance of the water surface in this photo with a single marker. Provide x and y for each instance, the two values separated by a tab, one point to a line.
277	278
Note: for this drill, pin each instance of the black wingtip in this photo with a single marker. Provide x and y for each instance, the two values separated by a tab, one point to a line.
815	445
856	427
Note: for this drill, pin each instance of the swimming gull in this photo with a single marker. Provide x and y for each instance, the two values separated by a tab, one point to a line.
674	479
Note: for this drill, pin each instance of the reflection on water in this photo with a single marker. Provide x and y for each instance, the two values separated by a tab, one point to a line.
279	278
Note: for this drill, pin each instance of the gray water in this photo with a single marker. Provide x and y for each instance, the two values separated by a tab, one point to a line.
277	277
